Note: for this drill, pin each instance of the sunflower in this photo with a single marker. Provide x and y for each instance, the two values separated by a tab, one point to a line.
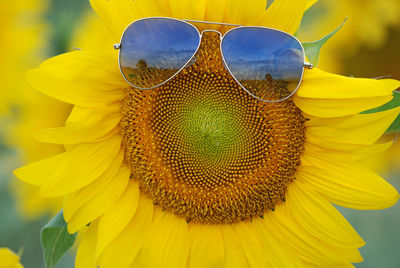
197	173
9	259
369	28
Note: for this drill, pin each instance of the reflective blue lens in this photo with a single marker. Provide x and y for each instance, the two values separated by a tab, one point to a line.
153	50
267	62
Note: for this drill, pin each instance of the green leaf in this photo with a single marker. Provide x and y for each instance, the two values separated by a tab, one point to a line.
56	240
395	102
395	126
312	49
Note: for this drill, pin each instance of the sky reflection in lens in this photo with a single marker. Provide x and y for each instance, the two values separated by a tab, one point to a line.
267	62
153	50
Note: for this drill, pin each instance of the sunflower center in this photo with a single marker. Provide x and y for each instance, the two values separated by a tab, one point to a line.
210	130
204	149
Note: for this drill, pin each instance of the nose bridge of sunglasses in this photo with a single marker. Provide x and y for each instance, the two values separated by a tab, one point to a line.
209	26
208	57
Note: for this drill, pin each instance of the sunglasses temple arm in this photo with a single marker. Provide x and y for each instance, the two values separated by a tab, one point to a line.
308	65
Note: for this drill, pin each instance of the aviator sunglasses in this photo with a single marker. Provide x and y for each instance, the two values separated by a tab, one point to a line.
267	63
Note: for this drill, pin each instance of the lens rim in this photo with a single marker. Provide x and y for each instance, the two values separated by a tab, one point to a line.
237	81
189	22
152	18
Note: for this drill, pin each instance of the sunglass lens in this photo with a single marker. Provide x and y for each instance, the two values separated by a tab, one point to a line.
266	62
153	50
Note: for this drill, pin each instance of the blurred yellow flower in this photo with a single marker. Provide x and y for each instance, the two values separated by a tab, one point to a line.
392	161
388	161
9	259
140	196
21	37
367	25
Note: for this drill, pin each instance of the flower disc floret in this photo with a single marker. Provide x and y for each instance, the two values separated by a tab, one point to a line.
203	148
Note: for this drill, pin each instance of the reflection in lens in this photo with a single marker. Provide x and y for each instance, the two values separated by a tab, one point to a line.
267	62
153	50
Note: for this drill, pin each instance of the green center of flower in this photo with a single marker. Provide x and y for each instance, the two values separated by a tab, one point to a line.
210	129
204	149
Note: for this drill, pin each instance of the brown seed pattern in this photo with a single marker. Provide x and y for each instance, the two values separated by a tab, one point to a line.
204	149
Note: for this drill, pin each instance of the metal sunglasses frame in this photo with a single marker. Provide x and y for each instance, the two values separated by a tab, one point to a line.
189	22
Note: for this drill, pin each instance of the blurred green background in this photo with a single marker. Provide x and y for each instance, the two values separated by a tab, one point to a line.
380	229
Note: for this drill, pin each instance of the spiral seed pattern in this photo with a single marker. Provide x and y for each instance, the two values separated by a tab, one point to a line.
204	149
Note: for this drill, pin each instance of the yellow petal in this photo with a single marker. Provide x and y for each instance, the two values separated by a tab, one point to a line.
99	39
125	247
317	216
234	254
251	245
207	246
101	202
75	94
213	11
371	151
100	194
164	6
79	114
86	68
127	10
326	108
9	259
118	14
285	15
353	151
275	249
39	172
348	265
308	247
109	15
344	266
243	12
85	254
358	129
183	9
310	3
167	242
346	183
118	216
318	84
91	129
155	8
84	164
